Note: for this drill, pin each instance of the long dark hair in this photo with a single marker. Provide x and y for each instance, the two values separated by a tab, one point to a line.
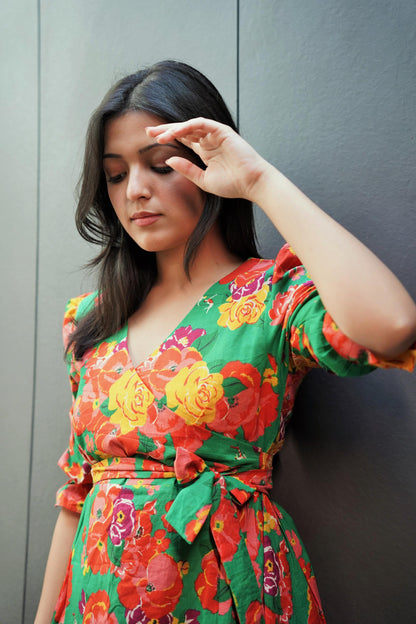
172	91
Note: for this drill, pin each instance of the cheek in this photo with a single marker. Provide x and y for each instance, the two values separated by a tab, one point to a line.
114	197
191	196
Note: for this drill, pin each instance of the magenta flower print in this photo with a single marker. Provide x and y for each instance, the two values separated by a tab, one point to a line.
191	616
82	603
138	616
122	521
249	288
183	337
271	569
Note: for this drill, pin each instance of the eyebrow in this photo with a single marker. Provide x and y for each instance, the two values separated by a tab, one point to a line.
144	149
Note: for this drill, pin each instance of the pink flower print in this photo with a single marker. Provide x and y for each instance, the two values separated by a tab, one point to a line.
122	521
121	345
271	569
183	337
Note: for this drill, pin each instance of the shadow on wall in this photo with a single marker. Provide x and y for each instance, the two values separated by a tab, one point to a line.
344	477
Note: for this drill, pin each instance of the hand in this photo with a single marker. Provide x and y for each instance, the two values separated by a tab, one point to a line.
233	167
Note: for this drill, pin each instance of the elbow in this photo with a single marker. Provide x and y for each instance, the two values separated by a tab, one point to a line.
398	337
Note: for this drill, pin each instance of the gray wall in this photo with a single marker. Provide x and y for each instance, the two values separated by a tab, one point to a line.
326	91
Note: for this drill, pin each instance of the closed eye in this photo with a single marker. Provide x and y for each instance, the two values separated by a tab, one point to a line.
162	170
116	179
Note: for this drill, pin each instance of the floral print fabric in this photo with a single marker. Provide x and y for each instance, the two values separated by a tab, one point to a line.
169	462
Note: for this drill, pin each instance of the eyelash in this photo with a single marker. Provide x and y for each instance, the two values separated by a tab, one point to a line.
115	179
120	177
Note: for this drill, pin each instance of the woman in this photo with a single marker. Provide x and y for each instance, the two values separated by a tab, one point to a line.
184	367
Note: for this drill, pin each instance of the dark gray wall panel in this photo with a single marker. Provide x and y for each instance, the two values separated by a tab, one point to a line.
327	93
85	47
18	171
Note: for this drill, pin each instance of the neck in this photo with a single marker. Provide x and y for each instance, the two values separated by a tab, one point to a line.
211	262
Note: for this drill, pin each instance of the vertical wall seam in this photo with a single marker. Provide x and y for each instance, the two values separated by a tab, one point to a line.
35	313
238	66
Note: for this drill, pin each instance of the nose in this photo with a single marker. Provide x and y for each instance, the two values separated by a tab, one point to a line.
138	185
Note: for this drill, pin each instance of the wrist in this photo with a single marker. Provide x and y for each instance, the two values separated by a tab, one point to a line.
266	177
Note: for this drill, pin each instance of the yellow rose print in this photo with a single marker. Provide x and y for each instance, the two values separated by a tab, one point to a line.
238	312
195	393
131	399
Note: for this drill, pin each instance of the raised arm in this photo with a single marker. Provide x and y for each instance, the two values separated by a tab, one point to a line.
61	545
362	295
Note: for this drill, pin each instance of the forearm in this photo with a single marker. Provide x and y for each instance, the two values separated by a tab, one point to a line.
61	545
362	295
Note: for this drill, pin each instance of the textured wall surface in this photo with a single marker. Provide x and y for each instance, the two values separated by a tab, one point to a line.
325	90
328	94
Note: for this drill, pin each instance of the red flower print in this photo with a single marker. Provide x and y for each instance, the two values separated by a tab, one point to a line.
97	609
98	558
206	584
253	269
187	465
194	526
287	262
285	584
249	528
157	587
161	541
295	543
103	370
285	303
64	596
225	528
166	524
166	366
256	612
339	341
110	443
257	398
101	514
315	609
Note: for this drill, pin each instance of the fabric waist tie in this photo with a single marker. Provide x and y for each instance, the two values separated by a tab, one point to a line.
212	494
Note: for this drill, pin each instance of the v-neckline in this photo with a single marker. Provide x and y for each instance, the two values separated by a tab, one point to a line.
226	279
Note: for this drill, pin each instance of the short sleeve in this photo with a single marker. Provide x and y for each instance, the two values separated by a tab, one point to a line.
313	338
72	494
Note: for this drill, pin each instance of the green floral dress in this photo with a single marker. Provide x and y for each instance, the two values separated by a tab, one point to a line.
169	462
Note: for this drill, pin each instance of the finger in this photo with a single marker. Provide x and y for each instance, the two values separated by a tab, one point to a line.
195	128
181	135
190	142
189	126
188	169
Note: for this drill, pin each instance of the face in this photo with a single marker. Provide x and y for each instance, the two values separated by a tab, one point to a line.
157	206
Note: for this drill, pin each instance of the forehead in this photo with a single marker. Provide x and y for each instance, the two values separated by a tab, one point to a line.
129	127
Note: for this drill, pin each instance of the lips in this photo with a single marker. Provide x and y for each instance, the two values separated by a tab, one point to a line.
145	218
